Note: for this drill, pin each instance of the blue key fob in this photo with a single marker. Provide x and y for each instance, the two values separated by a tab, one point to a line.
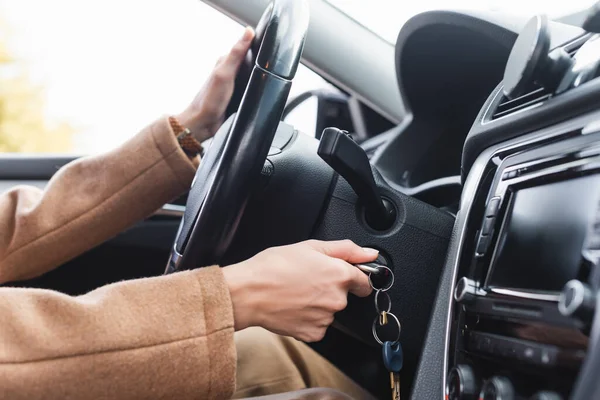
392	356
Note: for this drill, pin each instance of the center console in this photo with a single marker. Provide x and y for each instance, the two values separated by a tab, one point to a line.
522	322
525	304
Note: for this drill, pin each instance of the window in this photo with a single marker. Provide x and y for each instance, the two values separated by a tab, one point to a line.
304	115
386	17
81	77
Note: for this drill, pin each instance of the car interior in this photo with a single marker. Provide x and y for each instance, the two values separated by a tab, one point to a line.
467	153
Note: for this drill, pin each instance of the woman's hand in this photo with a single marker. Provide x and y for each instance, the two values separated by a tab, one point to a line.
295	290
205	114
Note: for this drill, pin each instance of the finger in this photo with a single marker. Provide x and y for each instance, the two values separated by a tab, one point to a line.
237	53
346	250
219	61
359	282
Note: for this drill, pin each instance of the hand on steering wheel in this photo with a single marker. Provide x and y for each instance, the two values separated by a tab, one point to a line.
231	167
205	114
295	290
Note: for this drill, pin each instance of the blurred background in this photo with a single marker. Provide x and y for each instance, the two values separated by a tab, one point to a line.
79	77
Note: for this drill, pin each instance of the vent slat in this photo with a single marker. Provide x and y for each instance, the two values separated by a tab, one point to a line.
521	106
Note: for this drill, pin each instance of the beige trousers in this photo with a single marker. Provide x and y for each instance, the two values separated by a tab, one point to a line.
269	364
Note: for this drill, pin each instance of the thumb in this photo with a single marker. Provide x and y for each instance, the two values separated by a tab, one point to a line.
345	250
359	282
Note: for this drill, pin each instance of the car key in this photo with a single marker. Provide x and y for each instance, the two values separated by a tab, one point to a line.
370	268
393	359
391	350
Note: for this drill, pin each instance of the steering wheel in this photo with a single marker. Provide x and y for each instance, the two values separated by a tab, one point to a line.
231	167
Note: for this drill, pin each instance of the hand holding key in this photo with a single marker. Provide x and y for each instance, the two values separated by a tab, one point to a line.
295	290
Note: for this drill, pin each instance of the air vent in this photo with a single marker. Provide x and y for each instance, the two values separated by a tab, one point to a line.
535	94
531	98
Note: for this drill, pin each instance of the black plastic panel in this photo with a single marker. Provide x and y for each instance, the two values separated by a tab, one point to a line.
20	167
446	64
497	311
287	205
486	132
415	247
428	381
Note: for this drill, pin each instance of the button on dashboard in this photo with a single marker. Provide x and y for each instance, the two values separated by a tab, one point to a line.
509	175
482	244
488	224
529	353
492	207
487	228
515	349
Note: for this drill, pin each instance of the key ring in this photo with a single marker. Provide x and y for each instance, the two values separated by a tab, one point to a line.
389	286
374	329
389	301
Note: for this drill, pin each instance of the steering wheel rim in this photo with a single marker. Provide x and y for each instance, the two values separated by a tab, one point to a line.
243	76
232	165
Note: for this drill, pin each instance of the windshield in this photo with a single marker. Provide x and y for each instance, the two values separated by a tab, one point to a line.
386	17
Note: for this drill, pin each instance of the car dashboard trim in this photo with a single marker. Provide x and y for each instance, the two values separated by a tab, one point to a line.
471	187
549	297
171	210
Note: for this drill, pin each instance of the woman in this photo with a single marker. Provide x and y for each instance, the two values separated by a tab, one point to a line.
170	336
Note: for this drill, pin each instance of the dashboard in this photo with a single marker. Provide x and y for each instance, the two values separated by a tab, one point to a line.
447	64
515	315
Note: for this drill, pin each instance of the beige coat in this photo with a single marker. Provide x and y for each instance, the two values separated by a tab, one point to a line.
166	337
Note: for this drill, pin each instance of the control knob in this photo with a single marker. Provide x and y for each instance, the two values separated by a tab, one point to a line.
465	290
497	388
546	395
577	300
461	383
530	61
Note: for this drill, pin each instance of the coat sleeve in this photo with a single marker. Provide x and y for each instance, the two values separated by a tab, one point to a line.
88	201
164	337
168	337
